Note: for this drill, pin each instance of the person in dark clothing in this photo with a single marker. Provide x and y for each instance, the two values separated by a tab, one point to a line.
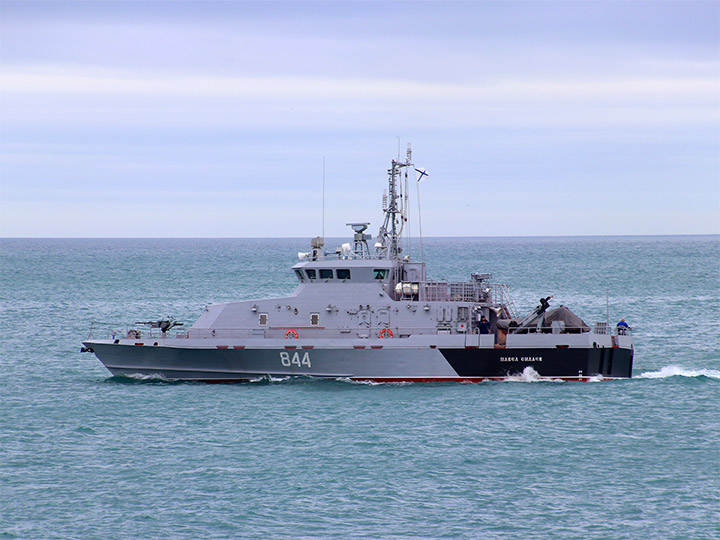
484	325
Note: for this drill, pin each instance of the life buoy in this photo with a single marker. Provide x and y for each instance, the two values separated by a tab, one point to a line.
291	334
385	333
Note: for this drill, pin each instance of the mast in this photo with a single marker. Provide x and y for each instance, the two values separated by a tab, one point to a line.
388	245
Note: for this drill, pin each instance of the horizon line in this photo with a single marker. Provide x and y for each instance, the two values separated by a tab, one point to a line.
335	237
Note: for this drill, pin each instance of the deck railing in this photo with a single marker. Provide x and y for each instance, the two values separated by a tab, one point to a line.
468	291
103	331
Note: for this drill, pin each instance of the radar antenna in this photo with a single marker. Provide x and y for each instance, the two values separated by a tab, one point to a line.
360	248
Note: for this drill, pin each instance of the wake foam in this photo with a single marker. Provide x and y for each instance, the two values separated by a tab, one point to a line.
143	377
361	382
677	371
365	382
529	375
271	379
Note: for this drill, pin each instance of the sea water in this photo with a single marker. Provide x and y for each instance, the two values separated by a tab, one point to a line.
84	455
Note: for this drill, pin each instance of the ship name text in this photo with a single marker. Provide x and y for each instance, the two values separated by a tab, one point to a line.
521	358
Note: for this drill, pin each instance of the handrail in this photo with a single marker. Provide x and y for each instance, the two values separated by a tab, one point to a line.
337	332
459	291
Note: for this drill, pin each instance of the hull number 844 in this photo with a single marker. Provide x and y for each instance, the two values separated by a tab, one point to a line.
295	359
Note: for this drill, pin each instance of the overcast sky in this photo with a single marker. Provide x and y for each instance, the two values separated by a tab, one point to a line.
211	119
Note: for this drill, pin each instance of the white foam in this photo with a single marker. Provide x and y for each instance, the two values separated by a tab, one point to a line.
144	377
677	371
276	379
351	381
528	375
367	382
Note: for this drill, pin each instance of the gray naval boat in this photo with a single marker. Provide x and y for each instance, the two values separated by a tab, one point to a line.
372	315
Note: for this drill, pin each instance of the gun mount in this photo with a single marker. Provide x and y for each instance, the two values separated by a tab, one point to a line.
163	324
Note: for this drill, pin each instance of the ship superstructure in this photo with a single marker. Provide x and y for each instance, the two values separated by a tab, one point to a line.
368	312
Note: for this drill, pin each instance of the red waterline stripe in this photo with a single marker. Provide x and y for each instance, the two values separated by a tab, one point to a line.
462	379
238	346
308	346
418	380
222	346
222	381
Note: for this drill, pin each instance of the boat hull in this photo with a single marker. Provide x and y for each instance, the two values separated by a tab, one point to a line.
382	363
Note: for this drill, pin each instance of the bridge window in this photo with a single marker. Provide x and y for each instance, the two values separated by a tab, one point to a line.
310	273
299	275
381	273
326	274
343	273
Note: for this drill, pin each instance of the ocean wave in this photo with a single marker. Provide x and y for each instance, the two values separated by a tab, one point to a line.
677	371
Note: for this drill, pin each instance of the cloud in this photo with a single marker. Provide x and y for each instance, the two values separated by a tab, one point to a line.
54	80
54	96
199	105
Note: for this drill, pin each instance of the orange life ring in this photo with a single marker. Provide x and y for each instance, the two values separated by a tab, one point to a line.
291	334
385	332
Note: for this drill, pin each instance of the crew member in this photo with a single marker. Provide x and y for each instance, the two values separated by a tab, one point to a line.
484	325
622	327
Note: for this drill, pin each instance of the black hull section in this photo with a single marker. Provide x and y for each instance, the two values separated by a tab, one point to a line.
560	363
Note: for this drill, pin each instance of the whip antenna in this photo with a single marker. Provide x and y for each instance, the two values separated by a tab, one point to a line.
420	173
417	185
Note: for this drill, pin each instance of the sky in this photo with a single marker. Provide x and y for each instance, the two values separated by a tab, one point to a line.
214	119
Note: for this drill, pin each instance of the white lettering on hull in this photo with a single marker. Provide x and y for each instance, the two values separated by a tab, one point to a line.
287	360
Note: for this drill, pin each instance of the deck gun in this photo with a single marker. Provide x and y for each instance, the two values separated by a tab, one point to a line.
164	324
531	319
